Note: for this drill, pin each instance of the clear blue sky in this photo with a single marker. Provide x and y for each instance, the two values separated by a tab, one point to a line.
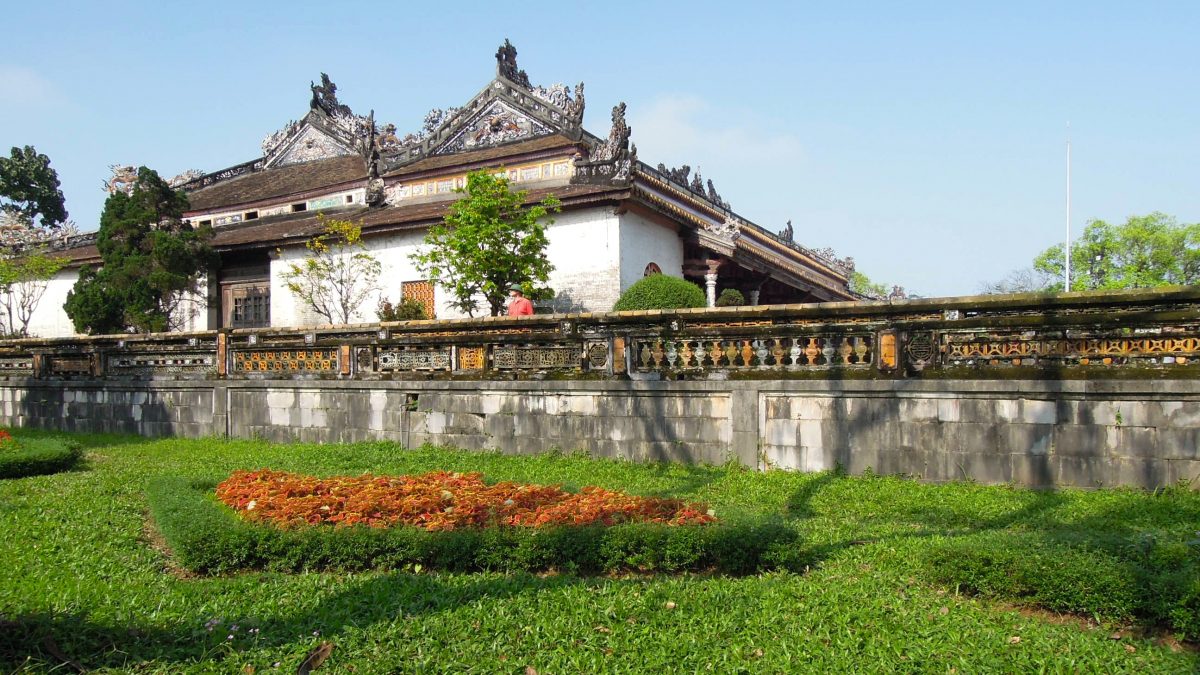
926	140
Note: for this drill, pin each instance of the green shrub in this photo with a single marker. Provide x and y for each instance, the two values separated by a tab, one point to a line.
659	291
408	309
731	297
38	456
1158	582
207	537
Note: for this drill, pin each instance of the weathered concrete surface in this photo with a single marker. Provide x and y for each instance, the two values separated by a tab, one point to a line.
1081	433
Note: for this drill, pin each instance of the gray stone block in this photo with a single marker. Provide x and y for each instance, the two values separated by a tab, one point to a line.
1140	473
1025	439
1136	442
989	468
1084	440
1181	414
1184	470
1084	471
1039	412
1178	443
1034	470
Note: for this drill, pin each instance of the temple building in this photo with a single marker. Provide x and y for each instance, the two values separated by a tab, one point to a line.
621	218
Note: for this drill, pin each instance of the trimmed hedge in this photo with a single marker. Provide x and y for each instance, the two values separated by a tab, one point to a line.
38	456
208	537
1113	580
659	291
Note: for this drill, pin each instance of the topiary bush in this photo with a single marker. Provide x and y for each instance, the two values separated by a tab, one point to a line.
208	537
37	456
659	291
731	297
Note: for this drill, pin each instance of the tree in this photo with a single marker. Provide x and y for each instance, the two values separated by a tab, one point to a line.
29	189
338	275
1024	280
151	261
861	284
1143	252
32	210
488	242
23	281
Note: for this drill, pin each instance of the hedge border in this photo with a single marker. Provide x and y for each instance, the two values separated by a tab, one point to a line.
207	537
39	456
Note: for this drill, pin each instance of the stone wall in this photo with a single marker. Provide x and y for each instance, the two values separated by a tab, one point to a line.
1026	432
1081	389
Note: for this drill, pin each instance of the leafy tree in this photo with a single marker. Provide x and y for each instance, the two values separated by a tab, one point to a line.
1143	252
29	189
489	242
338	275
32	210
151	261
659	291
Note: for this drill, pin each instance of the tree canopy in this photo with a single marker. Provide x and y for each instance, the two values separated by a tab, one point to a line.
488	242
29	189
151	262
1143	252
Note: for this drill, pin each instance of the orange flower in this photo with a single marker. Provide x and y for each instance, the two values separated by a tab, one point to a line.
438	500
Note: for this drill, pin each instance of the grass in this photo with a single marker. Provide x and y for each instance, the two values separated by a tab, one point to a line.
81	579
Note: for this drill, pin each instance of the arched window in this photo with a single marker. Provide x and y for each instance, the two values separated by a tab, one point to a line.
652	268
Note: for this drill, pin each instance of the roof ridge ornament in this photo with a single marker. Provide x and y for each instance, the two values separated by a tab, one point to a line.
324	98
612	160
682	176
506	65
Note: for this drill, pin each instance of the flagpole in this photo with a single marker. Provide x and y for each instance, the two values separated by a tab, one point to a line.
1067	267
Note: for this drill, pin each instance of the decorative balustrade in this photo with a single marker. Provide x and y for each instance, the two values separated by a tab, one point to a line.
778	353
980	337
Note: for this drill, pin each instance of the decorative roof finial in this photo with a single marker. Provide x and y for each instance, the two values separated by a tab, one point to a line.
787	233
506	65
324	97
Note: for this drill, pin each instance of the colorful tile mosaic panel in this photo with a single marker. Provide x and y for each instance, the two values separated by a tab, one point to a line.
286	361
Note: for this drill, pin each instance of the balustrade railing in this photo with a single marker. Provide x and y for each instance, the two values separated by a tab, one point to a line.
985	336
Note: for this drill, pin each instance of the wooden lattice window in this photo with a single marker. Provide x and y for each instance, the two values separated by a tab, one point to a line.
422	292
651	270
246	305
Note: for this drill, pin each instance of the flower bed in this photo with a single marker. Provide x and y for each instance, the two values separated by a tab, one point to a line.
439	500
544	528
35	456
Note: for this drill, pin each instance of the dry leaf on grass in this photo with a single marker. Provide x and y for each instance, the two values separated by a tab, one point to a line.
315	658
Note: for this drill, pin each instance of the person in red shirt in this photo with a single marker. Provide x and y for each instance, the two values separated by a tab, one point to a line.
518	304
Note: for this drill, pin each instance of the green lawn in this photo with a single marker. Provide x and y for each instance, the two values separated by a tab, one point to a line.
79	578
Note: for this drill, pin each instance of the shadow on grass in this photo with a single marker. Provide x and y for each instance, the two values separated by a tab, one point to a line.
1129	556
75	641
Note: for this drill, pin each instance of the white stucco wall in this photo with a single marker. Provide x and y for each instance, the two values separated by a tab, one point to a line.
584	247
51	320
49	317
644	241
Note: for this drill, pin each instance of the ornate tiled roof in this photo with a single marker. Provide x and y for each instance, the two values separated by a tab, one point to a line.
294	179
